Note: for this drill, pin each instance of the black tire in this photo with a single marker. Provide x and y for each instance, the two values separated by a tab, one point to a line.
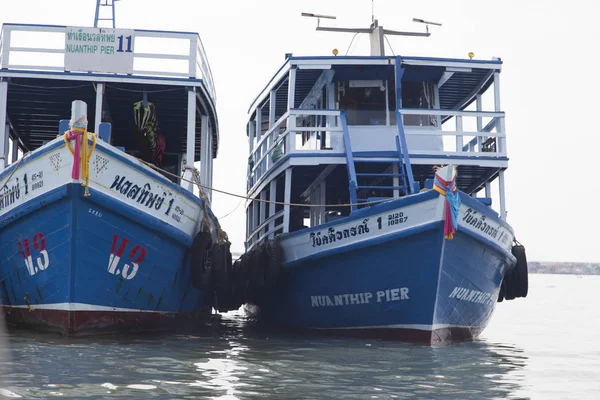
511	284
200	261
274	258
521	271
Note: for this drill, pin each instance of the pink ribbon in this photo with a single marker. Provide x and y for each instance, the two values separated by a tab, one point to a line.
77	153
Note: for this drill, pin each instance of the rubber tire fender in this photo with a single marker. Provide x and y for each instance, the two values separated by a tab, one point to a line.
200	261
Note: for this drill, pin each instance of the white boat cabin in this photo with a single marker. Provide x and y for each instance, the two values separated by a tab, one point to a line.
43	68
298	122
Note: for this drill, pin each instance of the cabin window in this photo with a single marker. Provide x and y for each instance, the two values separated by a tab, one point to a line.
418	95
363	101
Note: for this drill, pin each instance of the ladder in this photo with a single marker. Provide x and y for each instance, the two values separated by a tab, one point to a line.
105	3
404	174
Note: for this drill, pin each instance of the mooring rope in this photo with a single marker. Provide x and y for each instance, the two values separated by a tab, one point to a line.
200	185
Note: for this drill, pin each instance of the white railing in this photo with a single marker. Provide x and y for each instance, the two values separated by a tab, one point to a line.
156	53
285	137
263	230
486	139
476	140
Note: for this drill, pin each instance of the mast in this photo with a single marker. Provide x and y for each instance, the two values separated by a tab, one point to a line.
105	3
375	31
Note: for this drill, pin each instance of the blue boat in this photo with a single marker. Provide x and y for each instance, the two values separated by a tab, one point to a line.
105	222
373	177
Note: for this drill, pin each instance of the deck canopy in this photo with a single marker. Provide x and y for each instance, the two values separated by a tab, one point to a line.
459	80
165	65
36	105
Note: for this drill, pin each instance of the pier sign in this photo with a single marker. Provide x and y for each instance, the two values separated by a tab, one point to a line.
99	50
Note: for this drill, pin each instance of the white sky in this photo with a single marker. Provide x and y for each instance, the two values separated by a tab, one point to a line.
548	85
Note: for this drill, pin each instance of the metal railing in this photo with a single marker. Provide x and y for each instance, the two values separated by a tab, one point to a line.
42	48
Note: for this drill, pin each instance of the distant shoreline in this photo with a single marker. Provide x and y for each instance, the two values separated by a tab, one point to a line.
563	268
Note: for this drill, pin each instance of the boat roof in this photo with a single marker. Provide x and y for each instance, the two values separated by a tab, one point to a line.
39	96
466	77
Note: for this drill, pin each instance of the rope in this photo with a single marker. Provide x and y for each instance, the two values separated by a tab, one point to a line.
259	200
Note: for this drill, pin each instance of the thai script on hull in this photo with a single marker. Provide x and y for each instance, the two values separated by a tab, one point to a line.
332	235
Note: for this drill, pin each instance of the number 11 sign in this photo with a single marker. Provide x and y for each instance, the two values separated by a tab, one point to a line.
99	50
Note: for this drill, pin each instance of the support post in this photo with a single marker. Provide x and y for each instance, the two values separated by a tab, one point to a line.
191	138
488	190
98	113
3	124
287	196
6	145
254	220
291	122
322	201
272	199
501	142
263	208
272	108
502	195
15	150
258	124
331	119
479	104
205	151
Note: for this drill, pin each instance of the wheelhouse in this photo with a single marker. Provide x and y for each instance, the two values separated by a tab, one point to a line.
300	161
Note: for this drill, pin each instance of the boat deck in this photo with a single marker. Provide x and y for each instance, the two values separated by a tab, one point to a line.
40	89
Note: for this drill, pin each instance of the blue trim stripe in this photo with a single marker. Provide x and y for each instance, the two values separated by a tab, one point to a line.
136	215
33	205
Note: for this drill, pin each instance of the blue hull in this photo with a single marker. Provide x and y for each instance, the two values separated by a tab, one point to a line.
410	284
78	264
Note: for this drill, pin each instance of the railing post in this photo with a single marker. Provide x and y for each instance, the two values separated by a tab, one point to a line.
193	59
5	46
459	133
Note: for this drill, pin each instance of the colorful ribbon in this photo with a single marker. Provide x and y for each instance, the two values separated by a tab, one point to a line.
81	155
452	204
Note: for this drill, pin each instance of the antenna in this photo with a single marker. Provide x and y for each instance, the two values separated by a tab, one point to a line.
105	3
375	31
427	23
318	17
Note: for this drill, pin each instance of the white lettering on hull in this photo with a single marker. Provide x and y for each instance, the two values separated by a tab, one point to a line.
474	296
351	299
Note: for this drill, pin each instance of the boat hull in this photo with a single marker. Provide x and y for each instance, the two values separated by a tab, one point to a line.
405	282
80	264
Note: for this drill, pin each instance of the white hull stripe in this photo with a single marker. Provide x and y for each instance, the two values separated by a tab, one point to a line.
84	307
421	327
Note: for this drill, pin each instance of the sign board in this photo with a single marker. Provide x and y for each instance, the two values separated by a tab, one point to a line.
99	50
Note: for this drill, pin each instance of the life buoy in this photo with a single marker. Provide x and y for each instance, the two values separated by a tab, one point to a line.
200	261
